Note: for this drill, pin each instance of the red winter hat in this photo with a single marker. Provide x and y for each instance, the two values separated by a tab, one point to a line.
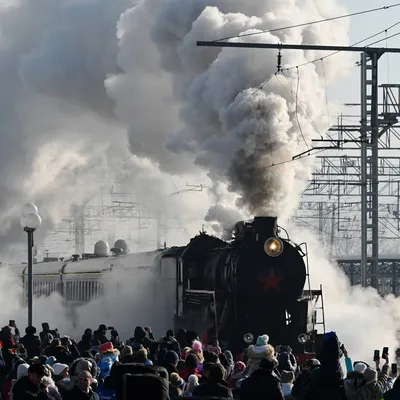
106	347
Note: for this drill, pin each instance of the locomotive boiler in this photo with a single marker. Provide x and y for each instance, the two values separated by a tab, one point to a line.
258	283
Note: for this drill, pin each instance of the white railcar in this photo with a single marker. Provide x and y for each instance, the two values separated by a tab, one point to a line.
80	281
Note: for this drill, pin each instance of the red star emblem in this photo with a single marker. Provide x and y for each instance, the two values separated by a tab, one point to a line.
271	281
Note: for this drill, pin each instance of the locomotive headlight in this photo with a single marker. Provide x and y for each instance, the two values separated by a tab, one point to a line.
248	338
273	247
303	338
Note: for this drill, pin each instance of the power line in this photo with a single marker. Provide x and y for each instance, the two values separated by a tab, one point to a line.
354	44
297	106
310	23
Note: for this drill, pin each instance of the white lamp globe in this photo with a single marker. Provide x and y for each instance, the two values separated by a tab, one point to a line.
33	221
28	208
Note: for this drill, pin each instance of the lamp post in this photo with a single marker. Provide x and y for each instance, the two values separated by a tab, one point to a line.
30	221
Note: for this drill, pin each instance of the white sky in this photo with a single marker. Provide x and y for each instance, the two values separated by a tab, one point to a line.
347	90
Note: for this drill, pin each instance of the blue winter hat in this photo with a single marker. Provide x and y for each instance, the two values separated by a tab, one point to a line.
330	335
262	340
171	357
50	361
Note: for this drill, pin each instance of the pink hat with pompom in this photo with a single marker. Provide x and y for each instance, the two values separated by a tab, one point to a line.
197	346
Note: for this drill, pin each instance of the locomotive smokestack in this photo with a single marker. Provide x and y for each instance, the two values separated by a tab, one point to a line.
264	228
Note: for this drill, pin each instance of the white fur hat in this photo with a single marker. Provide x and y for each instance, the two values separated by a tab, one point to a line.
360	367
262	340
193	379
59	368
22	370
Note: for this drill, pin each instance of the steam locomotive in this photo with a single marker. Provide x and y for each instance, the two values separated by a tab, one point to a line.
254	284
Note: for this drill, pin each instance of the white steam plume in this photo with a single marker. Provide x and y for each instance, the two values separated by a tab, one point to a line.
57	124
228	128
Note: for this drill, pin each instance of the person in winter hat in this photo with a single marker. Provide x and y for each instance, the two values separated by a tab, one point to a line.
197	349
372	386
171	361
236	374
176	384
86	343
80	365
31	342
61	378
193	381
261	350
169	342
327	381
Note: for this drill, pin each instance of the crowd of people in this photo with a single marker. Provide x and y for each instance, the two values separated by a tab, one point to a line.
50	367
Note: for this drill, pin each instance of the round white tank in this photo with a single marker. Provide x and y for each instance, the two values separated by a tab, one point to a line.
121	244
101	249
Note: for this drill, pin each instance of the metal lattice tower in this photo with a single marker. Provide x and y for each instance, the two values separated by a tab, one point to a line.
366	169
369	165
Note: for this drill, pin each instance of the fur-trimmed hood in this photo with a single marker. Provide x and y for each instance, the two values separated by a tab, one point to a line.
259	352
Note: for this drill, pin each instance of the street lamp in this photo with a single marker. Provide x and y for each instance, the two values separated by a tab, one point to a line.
30	220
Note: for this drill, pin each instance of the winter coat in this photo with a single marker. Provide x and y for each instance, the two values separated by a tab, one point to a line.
261	384
170	344
255	355
327	380
86	343
140	338
229	365
32	345
24	389
301	385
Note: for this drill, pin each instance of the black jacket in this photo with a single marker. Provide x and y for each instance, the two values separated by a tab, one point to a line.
261	384
32	345
170	344
24	389
212	389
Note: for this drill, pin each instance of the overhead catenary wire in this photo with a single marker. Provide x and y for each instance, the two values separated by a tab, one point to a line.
352	45
333	53
297	105
383	8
